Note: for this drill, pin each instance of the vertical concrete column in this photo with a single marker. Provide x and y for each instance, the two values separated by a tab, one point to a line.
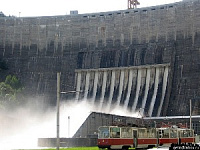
121	84
144	100
122	39
103	89
130	82
87	83
131	34
46	36
14	32
164	87
155	92
4	38
137	90
38	35
21	39
112	86
193	28
96	76
78	85
39	82
148	30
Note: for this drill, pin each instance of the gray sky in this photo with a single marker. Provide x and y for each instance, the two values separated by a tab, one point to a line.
63	7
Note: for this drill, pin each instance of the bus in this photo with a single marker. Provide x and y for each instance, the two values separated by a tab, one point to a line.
123	138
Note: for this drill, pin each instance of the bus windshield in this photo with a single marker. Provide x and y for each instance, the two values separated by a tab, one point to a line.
104	132
115	132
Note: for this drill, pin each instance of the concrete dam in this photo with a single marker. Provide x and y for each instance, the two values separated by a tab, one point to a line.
144	58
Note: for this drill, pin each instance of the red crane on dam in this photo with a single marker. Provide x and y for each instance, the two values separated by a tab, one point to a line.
133	4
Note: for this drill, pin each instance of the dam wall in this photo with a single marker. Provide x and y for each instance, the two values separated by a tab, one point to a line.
36	48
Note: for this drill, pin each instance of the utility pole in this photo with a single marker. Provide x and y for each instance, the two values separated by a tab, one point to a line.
58	108
190	114
58	111
68	126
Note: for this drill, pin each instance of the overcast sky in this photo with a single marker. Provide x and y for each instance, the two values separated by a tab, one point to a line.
63	7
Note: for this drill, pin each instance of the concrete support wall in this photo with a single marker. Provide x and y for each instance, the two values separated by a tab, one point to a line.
68	142
36	48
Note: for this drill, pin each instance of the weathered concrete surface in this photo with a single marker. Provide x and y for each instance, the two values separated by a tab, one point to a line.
36	48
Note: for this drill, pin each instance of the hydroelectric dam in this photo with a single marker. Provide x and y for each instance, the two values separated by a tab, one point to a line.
144	58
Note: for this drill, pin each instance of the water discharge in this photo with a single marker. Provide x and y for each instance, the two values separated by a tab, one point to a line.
22	128
87	85
78	85
146	90
95	86
103	90
135	87
130	82
153	99
120	87
137	90
112	86
165	78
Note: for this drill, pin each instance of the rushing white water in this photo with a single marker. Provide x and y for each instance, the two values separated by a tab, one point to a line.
164	87
103	89
137	90
121	84
154	93
21	128
87	81
95	86
78	86
146	90
78	113
130	82
112	86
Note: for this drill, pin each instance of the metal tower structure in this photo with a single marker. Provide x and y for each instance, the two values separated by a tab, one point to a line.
133	4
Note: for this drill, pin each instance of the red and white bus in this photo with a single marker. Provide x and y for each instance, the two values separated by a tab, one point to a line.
114	137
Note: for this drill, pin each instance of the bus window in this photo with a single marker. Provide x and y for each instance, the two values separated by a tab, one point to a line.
142	133
126	132
166	133
173	133
184	133
104	132
152	133
181	133
115	132
191	133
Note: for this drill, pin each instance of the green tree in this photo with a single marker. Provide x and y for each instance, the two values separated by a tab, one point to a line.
13	82
10	91
6	91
